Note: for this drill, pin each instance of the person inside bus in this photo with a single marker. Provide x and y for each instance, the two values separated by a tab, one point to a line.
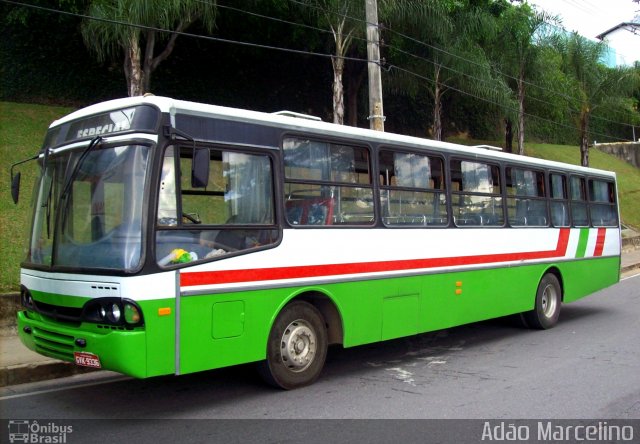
226	240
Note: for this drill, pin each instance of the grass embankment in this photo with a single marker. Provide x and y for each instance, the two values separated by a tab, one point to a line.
23	126
628	175
22	130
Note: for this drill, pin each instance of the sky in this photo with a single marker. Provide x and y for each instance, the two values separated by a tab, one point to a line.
593	17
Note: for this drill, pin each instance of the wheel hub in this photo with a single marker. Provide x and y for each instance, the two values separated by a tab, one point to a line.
549	301
298	346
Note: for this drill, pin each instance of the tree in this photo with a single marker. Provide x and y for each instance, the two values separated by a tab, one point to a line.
593	85
131	28
519	50
446	55
345	20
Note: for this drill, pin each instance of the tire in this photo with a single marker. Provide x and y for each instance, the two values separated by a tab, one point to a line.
296	348
546	312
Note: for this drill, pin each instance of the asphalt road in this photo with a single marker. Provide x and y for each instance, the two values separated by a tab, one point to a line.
587	367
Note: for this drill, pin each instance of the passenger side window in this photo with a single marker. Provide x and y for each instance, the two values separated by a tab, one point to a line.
602	196
412	189
475	193
526	203
326	183
559	200
579	215
233	210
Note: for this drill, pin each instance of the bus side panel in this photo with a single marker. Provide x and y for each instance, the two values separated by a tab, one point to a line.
587	276
225	329
159	319
460	298
379	309
231	328
390	308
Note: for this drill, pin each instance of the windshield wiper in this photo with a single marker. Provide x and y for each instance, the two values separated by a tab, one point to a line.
70	179
76	168
47	205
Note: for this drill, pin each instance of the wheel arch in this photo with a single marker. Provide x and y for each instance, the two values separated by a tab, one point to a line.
327	307
558	274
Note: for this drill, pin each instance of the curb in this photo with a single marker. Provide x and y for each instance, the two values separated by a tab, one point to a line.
24	373
630	243
34	371
629	268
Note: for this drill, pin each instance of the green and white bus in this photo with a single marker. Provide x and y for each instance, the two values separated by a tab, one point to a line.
171	237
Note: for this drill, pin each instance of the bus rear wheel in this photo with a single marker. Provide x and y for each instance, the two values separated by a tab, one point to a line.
296	348
546	312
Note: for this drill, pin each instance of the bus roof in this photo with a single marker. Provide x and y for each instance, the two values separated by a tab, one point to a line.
296	123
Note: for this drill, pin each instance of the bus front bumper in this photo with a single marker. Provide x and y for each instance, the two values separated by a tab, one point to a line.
122	351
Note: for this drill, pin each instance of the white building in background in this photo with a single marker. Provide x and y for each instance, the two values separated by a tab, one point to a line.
623	41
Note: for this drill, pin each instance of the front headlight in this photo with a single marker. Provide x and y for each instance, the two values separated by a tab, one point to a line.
131	313
113	314
113	311
25	297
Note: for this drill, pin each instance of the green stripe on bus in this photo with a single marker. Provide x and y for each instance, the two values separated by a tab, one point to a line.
582	242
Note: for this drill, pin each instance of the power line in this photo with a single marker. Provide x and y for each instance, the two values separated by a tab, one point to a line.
344	15
473	62
454	55
269	47
544	119
267	17
391	66
181	33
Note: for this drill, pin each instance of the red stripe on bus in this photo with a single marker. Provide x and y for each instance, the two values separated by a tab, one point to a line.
189	279
600	242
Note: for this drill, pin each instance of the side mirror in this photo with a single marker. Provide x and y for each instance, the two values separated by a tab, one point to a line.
15	179
200	168
15	187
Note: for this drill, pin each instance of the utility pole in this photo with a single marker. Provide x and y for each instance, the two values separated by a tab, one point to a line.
376	114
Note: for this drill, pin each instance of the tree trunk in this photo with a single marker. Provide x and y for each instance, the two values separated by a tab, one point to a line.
151	62
508	135
354	81
521	88
584	139
437	108
127	69
133	69
338	90
437	115
148	61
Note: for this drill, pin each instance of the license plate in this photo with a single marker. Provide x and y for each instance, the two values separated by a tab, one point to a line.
87	359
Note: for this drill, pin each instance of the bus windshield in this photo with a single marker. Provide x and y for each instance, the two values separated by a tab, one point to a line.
88	208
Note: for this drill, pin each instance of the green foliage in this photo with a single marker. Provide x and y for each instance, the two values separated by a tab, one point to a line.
445	60
43	60
107	38
22	129
18	15
134	27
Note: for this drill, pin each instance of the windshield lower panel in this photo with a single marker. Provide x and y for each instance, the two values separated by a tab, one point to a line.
88	211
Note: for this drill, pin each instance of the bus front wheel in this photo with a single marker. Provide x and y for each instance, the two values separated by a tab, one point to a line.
546	312
296	348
